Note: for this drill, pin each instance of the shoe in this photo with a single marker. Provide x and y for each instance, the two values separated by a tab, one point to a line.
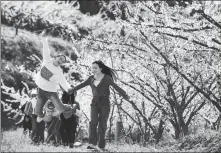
77	144
91	147
71	145
65	144
36	140
103	149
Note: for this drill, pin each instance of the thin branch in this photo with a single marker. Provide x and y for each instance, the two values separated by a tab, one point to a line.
145	96
216	41
151	8
216	103
209	18
185	38
194	113
184	95
177	28
191	98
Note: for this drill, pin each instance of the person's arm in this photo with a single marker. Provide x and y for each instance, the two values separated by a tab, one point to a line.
46	50
117	88
63	82
81	85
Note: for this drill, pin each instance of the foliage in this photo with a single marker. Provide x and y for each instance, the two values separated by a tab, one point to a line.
20	60
167	59
21	55
59	19
171	48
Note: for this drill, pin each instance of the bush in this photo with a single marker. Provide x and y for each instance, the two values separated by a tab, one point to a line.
203	140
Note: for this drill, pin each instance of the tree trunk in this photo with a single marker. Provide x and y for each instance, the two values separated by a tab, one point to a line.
159	133
146	136
177	132
111	123
185	129
119	127
16	30
181	130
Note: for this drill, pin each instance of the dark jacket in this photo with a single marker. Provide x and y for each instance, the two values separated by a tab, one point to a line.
69	99
27	119
102	91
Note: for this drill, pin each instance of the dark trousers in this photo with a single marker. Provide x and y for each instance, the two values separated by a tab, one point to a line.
99	114
27	124
43	97
68	129
53	130
37	129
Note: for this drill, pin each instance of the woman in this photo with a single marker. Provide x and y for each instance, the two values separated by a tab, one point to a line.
100	106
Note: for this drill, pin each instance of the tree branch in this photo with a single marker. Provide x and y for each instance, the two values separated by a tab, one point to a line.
185	38
172	104
208	18
185	95
159	106
194	113
191	98
177	29
215	103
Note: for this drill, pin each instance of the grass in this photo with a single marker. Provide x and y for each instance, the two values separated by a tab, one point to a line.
14	141
203	141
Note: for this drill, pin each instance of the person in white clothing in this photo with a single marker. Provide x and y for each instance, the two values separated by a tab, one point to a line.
48	79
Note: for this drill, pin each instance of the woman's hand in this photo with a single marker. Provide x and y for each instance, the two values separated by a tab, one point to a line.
74	108
70	91
42	34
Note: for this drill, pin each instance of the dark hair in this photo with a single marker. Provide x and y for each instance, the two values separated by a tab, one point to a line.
106	70
30	93
68	99
59	55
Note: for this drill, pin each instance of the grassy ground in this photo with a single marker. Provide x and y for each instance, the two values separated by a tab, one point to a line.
204	141
14	141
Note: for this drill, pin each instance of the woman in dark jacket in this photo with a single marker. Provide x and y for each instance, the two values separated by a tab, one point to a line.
100	106
69	121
